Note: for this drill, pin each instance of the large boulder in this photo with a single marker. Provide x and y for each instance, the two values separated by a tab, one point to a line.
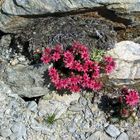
127	55
10	9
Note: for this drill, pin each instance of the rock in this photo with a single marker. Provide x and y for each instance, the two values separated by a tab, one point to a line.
8	21
123	136
19	129
98	135
4	88
14	62
22	58
76	108
32	106
127	55
45	108
4	47
5	41
25	81
34	7
112	131
5	132
83	101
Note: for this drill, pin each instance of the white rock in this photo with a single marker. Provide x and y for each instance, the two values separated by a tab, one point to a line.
14	62
123	136
32	106
112	131
5	132
98	135
127	56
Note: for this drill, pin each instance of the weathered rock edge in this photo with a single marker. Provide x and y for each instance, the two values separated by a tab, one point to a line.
13	12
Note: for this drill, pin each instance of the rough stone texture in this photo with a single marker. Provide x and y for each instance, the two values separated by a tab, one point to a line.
112	131
98	135
18	121
123	136
28	8
4	47
25	81
127	55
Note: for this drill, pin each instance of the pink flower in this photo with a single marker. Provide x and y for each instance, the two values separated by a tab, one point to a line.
77	66
68	59
75	80
47	51
108	59
124	90
74	88
85	55
96	74
54	75
45	59
58	48
110	64
96	70
132	98
56	56
108	69
97	85
61	84
79	48
124	112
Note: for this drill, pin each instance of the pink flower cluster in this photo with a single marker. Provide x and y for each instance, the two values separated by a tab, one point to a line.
73	69
131	96
109	64
128	100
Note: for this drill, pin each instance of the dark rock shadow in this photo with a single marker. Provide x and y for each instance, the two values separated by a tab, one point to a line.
105	104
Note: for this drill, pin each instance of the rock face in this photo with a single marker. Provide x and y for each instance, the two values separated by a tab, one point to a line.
24	81
35	7
10	8
127	55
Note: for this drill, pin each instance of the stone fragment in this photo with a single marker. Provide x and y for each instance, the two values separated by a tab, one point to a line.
98	135
32	106
19	129
76	108
112	131
123	136
5	132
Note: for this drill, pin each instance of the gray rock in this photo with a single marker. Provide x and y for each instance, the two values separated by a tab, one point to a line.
83	101
112	131
5	41
76	108
4	88
25	81
12	137
34	7
45	108
5	132
127	55
19	129
4	47
32	106
98	135
123	136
